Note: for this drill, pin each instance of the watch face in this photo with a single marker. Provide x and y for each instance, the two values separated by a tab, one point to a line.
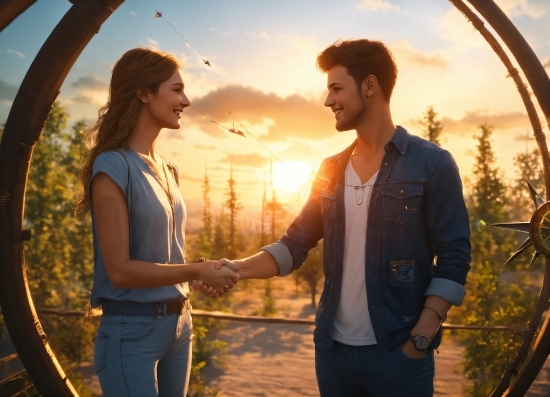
421	343
539	229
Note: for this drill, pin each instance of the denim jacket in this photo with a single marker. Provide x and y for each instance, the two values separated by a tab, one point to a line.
417	243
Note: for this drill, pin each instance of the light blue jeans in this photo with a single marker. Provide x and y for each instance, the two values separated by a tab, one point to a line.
144	356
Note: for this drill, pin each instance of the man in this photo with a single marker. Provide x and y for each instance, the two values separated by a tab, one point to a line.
392	217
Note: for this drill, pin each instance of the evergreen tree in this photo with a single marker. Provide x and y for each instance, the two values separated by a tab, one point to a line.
59	255
234	206
489	190
490	299
433	126
275	212
205	238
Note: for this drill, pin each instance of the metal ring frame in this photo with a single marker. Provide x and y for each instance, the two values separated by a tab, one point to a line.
34	101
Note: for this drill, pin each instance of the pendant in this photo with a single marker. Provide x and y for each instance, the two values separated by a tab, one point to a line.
359	201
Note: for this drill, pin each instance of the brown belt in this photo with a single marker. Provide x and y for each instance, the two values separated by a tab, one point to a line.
127	308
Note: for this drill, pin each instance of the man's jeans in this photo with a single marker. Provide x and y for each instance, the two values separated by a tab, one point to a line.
144	356
373	371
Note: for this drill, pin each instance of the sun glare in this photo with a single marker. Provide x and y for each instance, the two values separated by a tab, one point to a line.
291	175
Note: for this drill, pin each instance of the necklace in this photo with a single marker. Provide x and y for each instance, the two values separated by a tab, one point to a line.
358	200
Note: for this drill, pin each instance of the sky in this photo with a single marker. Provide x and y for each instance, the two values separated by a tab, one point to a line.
264	81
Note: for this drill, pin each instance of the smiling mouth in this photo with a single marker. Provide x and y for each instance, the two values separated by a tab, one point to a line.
337	111
178	111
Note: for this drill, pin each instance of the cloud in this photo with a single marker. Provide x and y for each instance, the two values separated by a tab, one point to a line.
203	147
282	118
412	56
531	8
132	13
381	6
223	33
91	90
7	91
249	160
14	52
473	119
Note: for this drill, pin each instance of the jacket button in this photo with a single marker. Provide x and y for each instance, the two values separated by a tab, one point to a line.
402	192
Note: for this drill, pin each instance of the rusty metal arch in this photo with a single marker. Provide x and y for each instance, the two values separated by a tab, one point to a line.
27	116
33	104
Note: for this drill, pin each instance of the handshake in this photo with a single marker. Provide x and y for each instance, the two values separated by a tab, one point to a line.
215	278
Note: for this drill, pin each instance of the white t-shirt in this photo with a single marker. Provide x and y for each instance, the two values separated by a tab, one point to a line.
352	325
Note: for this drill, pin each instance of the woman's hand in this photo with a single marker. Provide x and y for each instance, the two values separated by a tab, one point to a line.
214	280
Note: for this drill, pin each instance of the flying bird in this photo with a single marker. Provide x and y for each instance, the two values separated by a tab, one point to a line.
158	14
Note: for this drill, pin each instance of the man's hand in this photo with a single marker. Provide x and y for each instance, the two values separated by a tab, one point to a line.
410	351
206	290
219	278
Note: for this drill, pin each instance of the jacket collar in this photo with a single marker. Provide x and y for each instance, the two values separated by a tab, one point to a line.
400	140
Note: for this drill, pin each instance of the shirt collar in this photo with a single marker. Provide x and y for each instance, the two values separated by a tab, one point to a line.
400	139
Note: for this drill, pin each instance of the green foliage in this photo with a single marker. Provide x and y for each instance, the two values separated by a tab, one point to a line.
268	308
432	125
59	255
233	205
275	212
490	299
311	271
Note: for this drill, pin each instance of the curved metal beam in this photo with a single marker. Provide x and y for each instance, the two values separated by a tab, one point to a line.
27	117
522	51
11	9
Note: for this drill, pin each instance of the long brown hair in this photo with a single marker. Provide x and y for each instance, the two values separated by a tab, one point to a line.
138	69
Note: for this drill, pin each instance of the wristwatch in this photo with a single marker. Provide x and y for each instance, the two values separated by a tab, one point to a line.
420	342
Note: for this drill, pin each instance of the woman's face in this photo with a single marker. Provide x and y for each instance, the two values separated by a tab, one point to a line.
165	105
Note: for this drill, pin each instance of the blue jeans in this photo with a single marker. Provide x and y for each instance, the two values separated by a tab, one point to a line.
144	356
372	371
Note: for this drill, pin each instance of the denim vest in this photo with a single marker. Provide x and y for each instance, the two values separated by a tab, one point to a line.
418	237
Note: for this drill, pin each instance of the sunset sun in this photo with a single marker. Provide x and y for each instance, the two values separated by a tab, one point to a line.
291	175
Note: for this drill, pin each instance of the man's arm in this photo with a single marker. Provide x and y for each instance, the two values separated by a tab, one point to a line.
260	265
435	309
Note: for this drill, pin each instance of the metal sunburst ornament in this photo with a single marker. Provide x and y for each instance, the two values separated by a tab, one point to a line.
538	228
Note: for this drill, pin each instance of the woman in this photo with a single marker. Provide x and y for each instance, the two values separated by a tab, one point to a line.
143	345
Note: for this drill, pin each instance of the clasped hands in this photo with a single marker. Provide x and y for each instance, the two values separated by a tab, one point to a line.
218	279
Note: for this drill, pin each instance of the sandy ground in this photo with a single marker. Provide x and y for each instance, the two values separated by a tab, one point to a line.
278	359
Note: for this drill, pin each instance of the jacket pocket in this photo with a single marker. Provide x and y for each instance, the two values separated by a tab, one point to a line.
402	274
402	201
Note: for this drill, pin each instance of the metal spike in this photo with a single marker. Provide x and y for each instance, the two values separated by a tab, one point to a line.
526	244
517	226
537	200
536	254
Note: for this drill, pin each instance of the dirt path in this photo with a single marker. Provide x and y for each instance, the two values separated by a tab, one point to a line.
278	359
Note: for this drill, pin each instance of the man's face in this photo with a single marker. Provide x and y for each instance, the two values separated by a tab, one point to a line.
344	99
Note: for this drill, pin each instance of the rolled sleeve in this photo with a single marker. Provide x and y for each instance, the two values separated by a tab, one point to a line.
280	252
449	290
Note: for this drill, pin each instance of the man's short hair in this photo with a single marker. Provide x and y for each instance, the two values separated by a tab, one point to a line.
362	58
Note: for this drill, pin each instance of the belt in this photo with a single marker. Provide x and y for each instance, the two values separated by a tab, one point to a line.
128	308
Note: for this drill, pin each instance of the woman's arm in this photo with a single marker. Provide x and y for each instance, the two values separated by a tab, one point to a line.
113	234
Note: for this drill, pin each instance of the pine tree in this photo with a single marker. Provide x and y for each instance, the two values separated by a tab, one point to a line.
489	190
433	126
205	238
234	206
489	299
